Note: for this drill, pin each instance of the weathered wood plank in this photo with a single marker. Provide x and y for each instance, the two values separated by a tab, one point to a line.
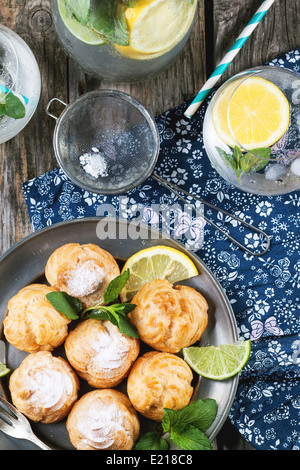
31	152
277	33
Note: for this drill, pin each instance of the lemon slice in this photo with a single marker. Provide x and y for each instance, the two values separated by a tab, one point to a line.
259	113
81	32
218	363
158	25
158	262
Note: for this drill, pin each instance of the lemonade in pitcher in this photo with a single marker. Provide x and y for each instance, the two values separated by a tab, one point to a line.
123	40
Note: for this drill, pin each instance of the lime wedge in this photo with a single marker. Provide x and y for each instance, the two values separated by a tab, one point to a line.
81	32
3	370
218	362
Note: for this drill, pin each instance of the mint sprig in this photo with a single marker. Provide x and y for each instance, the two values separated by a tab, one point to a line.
186	427
116	313
11	106
106	17
248	162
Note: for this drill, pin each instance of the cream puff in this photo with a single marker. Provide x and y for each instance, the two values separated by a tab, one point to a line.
44	388
169	318
100	353
32	323
159	380
82	271
103	420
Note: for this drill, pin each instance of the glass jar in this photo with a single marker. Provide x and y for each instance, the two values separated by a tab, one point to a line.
20	84
251	131
123	40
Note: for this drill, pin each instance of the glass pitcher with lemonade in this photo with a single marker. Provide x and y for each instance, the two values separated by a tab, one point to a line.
123	40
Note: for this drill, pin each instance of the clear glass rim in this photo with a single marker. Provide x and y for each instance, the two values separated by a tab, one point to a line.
248	74
4	34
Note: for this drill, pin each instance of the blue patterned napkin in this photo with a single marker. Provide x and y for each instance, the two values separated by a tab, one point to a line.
263	291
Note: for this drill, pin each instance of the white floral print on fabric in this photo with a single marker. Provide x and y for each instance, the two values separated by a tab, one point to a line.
263	291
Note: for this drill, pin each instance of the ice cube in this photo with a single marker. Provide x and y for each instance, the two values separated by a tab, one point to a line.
295	167
275	171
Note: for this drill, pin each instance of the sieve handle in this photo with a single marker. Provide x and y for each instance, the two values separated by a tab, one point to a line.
49	106
176	190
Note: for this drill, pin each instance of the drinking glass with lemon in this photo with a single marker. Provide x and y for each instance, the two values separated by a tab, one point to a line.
123	40
251	131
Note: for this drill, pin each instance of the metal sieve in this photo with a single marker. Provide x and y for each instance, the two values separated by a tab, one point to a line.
117	130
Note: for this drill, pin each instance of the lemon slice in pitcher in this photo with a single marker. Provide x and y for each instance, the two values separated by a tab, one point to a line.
157	262
259	113
158	25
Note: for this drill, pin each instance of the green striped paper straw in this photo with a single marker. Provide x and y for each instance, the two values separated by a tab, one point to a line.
228	58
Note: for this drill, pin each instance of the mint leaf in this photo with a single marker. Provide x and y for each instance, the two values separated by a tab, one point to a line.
65	304
200	413
170	419
123	309
126	327
14	107
80	9
99	315
188	437
11	106
227	158
231	160
115	287
151	441
108	18
255	160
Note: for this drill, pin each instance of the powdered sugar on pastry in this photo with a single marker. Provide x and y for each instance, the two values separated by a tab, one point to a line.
48	389
83	271
103	420
85	279
100	353
44	387
100	426
110	349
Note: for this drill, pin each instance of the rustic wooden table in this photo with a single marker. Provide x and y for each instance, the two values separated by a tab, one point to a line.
217	25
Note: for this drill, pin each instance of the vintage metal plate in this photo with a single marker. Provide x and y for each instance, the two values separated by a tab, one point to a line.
25	263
